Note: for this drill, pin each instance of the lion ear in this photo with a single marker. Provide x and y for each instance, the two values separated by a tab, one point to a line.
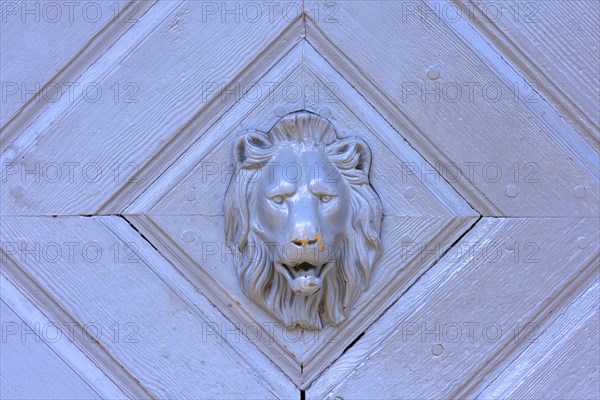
252	145
364	159
353	153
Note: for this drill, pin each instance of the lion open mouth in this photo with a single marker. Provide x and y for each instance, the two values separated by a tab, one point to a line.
304	278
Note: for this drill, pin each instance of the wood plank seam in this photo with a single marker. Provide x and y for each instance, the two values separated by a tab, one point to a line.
84	367
170	249
433	265
318	40
312	66
164	247
571	291
126	196
30	134
392	323
365	326
573	144
184	289
73	69
541	344
42	300
557	96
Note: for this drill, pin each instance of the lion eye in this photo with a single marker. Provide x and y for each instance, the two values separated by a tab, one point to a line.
277	199
326	198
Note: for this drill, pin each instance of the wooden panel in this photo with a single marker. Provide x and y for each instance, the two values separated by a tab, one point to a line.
145	335
397	169
469	316
554	44
182	210
49	45
63	346
153	297
197	181
562	363
29	368
509	157
196	246
177	82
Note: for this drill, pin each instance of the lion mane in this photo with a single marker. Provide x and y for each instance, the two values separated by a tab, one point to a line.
355	255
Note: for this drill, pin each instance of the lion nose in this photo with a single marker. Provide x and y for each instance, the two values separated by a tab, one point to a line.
309	242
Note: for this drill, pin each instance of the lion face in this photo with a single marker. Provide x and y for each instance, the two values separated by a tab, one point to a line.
300	211
302	208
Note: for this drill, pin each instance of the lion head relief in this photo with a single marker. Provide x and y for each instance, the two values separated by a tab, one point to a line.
304	218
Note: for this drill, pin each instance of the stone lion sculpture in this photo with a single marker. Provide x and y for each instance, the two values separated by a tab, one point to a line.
306	222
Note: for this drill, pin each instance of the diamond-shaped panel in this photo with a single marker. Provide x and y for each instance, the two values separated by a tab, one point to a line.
184	211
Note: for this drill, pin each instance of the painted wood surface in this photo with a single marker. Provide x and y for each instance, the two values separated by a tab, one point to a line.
197	245
562	363
196	183
62	346
121	136
30	369
111	206
450	94
184	207
469	317
46	45
144	335
553	45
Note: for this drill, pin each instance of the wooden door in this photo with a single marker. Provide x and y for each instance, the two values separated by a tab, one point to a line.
118	124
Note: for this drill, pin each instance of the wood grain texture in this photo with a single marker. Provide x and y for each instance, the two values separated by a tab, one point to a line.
197	181
413	79
553	44
196	246
118	138
458	306
49	46
470	315
163	344
397	170
182	210
562	363
63	347
30	369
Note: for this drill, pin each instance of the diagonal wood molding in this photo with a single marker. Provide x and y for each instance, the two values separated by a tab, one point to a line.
167	107
87	48
166	346
182	210
504	133
187	129
562	57
464	310
35	316
547	363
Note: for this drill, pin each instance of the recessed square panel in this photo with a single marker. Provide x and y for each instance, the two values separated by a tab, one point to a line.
184	212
